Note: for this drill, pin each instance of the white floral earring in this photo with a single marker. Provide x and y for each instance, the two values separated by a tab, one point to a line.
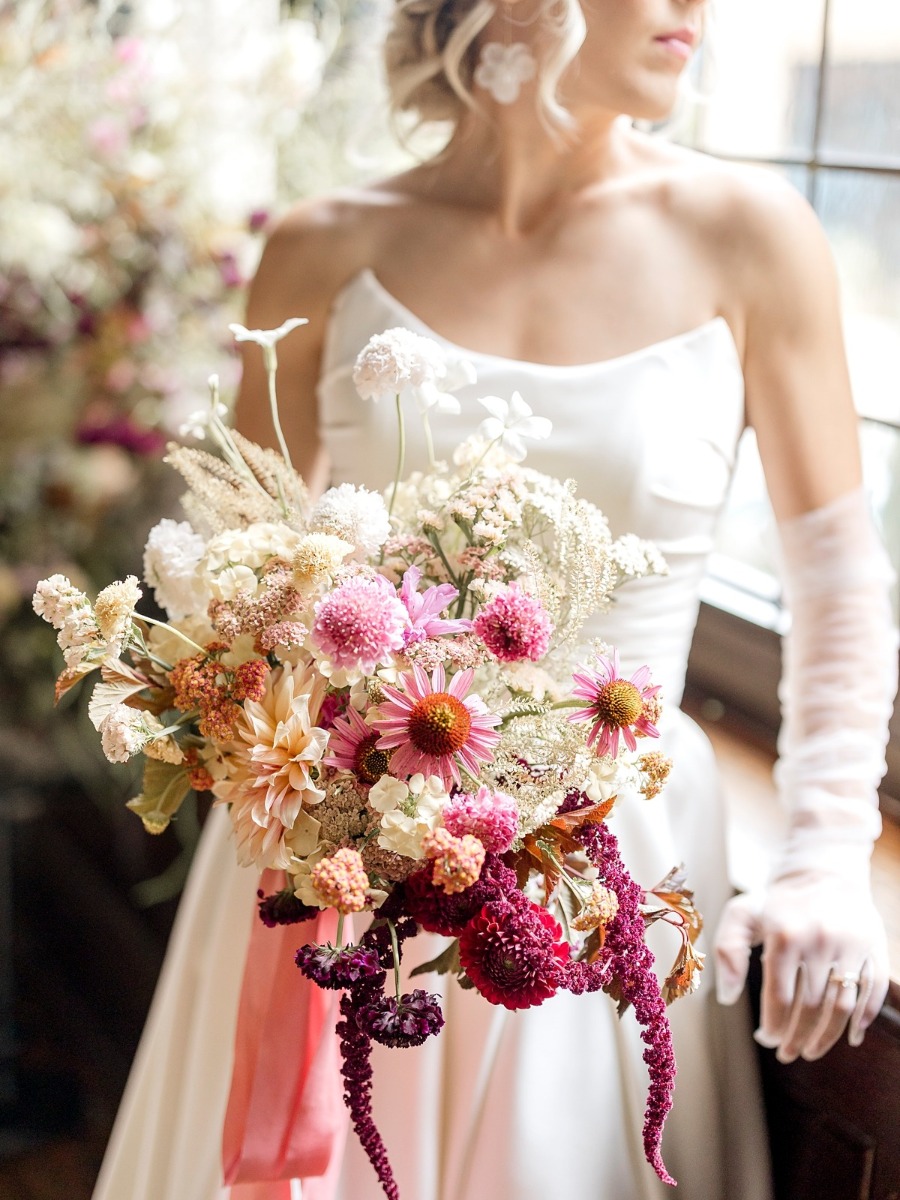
502	69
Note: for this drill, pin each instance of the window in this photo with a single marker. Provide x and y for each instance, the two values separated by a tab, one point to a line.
812	90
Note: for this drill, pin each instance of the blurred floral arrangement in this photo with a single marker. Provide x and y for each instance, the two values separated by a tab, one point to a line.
389	694
141	147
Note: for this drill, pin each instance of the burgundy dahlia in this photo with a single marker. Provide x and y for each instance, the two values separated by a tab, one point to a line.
338	967
283	908
512	952
404	1022
438	912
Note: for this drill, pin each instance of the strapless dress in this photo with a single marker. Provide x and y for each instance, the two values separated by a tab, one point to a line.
547	1103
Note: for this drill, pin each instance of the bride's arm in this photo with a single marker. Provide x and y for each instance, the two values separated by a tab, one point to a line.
816	921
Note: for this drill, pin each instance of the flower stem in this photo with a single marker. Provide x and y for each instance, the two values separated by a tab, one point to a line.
271	367
171	628
429	441
340	930
396	952
401	454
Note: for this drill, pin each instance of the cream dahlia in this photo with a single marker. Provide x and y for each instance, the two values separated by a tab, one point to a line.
274	768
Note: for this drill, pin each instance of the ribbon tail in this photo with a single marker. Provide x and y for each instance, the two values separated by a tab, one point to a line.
285	1117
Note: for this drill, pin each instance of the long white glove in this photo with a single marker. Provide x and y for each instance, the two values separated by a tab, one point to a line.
824	947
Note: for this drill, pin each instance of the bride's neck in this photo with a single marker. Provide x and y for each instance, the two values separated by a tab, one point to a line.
513	169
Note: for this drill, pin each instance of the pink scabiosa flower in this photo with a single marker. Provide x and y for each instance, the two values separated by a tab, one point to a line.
354	747
433	728
615	705
514	626
513	952
359	624
492	817
424	608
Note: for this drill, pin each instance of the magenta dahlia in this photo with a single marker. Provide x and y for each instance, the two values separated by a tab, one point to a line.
616	705
514	626
359	624
434	728
353	747
513	953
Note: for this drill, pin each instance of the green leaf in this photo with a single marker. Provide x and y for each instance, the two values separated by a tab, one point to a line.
447	962
164	788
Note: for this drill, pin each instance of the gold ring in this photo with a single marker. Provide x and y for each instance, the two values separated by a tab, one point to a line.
845	979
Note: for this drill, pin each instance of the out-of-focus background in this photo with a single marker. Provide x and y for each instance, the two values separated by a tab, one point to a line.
143	146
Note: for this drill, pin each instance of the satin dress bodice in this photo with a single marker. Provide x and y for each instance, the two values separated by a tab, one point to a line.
650	438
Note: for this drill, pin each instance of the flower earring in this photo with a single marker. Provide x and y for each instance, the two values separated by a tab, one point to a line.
503	69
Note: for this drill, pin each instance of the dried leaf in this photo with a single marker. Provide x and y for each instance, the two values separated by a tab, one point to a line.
164	788
674	893
613	989
70	677
119	683
685	974
595	815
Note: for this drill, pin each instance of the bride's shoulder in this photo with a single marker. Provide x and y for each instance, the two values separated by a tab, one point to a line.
319	243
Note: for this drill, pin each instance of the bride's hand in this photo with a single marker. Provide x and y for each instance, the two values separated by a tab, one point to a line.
825	961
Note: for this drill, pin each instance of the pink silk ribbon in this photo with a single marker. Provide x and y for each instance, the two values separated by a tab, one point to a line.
285	1117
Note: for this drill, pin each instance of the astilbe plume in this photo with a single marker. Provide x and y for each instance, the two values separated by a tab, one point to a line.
627	961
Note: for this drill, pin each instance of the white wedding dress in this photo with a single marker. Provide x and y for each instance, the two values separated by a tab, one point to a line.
545	1103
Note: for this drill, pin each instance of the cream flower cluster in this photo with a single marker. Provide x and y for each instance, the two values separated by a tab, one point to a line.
409	811
399	362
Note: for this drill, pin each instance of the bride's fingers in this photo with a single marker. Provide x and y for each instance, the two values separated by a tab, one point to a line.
839	1005
873	988
806	1011
781	966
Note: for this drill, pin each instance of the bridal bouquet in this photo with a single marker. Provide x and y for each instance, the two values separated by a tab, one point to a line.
390	696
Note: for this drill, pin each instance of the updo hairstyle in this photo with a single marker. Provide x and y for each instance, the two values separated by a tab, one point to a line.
432	49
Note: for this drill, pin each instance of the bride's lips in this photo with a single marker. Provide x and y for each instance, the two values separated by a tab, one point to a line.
679	42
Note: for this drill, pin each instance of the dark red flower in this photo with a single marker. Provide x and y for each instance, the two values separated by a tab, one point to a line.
437	912
404	1022
339	967
512	952
283	908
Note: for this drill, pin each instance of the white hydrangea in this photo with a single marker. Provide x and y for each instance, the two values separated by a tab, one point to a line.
251	547
400	362
125	732
354	514
409	811
171	560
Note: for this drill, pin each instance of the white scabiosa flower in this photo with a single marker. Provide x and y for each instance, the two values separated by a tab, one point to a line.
126	731
171	560
355	515
114	611
399	362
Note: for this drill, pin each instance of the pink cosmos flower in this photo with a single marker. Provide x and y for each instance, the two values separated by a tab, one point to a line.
433	728
514	626
424	608
492	817
360	623
353	746
615	705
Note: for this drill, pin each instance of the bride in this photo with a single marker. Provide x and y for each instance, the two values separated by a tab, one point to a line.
650	301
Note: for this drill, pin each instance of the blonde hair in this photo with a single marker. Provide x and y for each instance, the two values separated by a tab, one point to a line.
432	47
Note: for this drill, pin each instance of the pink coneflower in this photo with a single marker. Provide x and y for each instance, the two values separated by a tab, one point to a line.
424	608
615	705
514	626
433	728
359	624
353	746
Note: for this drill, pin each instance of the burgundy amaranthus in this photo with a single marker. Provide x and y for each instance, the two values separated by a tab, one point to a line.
627	960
